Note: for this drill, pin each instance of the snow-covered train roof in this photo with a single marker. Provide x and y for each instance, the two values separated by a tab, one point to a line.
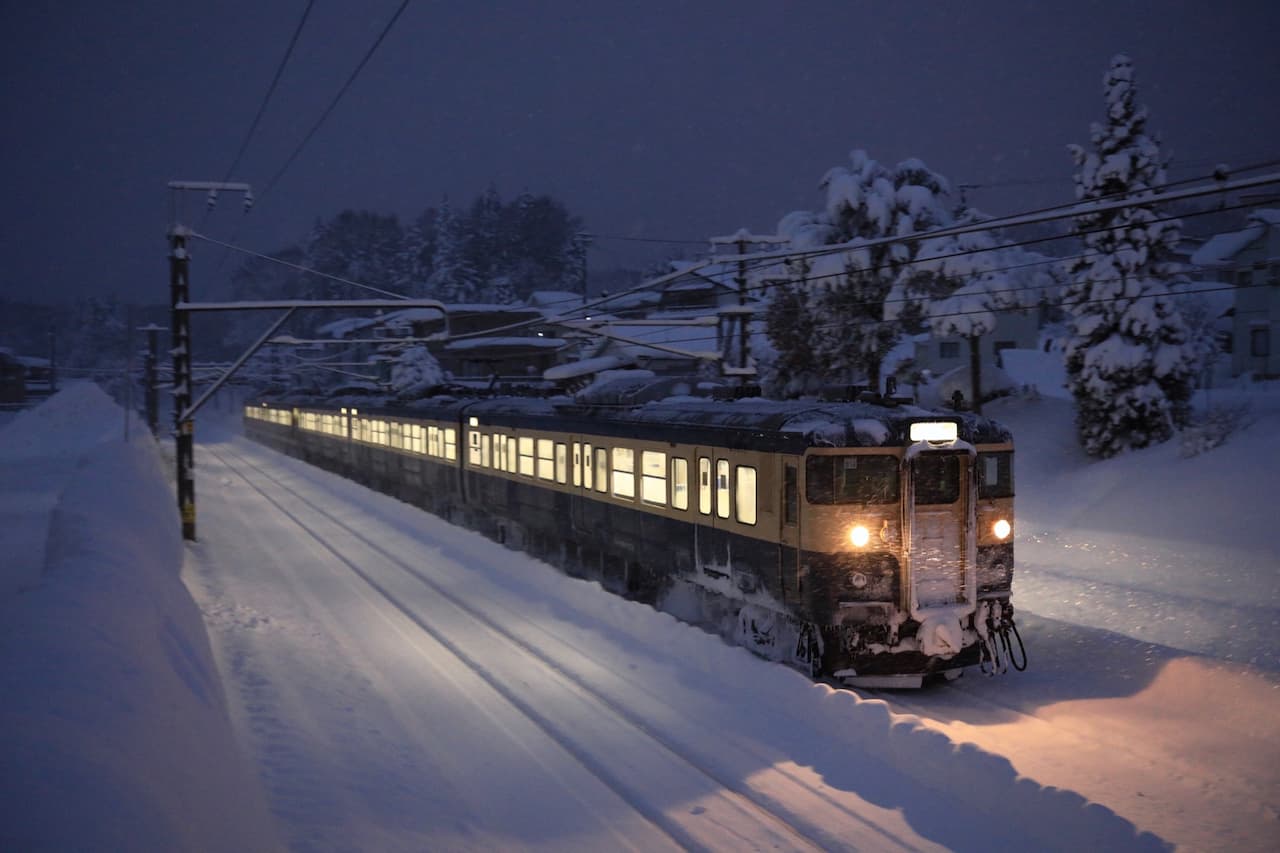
753	423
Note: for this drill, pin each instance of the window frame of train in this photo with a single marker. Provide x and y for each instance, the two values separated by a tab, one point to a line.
577	464
524	451
473	447
723	501
827	481
623	466
679	483
704	485
602	470
546	459
745	499
653	477
997	484
588	470
562	462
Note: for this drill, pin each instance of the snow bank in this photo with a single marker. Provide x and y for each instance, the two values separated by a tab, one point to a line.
113	724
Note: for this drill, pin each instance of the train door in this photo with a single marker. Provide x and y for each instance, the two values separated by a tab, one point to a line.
939	510
789	535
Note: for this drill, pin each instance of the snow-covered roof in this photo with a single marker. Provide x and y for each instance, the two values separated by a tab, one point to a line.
1221	249
557	300
587	366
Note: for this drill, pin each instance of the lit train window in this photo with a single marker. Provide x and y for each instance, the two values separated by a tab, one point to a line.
722	488
525	446
473	446
624	472
484	450
704	485
851	479
653	477
680	483
450	443
602	469
744	477
546	464
512	460
433	440
562	463
995	475
419	439
577	464
587	478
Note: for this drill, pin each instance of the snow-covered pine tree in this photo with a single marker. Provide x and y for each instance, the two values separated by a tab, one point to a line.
1129	358
862	295
791	323
452	278
415	372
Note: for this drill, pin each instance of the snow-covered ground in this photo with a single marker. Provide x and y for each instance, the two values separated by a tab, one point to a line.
367	677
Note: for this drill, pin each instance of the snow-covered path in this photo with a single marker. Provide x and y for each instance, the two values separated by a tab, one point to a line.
405	684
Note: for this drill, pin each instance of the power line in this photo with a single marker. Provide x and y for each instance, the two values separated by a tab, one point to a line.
231	247
266	99
334	102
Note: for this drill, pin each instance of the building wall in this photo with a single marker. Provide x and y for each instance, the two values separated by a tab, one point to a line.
1255	338
1014	329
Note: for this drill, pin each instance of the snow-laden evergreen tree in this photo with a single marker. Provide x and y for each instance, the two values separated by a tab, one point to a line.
415	372
453	279
859	301
1130	361
360	246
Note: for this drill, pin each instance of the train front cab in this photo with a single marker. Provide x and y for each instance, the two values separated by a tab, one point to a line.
903	552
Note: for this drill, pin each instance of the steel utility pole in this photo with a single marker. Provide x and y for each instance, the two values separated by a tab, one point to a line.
180	324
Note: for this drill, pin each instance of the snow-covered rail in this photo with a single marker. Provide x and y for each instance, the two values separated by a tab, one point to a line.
558	688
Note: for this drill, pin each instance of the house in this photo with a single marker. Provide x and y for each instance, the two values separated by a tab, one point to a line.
1249	259
1015	329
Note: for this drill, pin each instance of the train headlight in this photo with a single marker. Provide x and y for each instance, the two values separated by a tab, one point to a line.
858	580
1002	529
859	536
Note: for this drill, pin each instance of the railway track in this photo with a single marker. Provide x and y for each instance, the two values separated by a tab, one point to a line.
573	698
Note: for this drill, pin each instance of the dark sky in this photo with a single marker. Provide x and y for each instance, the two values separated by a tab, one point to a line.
655	119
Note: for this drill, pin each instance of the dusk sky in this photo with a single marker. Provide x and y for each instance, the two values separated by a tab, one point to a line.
649	120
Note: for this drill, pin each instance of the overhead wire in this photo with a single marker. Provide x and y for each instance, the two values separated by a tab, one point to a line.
333	103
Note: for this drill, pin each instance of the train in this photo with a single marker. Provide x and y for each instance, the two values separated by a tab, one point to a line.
864	541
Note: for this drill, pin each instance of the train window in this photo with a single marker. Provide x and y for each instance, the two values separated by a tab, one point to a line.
433	440
504	452
722	488
744	493
936	478
586	466
851	479
450	443
995	475
704	485
790	497
525	446
546	463
624	472
562	463
484	450
602	469
577	464
653	477
513	461
680	483
473	446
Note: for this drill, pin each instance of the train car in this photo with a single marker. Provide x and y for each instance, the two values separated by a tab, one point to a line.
868	543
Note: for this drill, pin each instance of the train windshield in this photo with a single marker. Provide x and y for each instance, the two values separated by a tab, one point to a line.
851	479
936	478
